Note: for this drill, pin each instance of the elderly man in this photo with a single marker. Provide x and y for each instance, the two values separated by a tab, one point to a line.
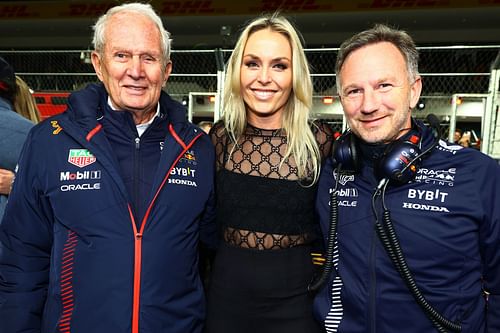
111	199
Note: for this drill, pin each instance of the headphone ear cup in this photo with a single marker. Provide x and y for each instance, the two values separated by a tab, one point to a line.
396	160
345	152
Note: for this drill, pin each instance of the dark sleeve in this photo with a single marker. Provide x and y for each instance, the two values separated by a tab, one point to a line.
25	247
322	301
208	228
489	237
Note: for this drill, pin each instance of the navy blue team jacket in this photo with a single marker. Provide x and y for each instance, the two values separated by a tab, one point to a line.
74	255
448	224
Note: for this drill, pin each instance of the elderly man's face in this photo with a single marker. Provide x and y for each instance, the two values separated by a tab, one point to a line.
131	66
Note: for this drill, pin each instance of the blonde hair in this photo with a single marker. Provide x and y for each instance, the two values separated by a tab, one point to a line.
24	102
302	144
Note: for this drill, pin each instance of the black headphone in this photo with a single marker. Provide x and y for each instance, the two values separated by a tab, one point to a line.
399	162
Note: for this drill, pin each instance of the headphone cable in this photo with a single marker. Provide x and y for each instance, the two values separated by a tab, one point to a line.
316	283
390	241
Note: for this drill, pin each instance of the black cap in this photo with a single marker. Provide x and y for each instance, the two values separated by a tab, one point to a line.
7	78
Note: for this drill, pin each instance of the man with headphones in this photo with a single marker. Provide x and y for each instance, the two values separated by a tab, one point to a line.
411	222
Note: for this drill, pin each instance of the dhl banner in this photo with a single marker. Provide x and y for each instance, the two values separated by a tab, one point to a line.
85	9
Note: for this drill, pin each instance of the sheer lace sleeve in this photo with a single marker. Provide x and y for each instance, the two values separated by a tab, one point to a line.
323	133
220	139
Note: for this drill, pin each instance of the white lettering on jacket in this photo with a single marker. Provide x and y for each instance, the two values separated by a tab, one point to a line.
427	195
417	206
80	187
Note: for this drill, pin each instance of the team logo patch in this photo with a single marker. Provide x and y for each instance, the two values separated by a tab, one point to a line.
57	127
189	157
81	157
343	178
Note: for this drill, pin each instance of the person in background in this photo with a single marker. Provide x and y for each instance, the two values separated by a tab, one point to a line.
413	221
24	102
268	157
102	226
457	135
205	126
13	130
465	139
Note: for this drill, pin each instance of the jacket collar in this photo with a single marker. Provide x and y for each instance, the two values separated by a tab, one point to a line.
88	105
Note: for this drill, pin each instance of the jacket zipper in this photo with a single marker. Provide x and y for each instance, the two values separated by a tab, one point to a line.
373	275
137	272
373	282
138	234
136	174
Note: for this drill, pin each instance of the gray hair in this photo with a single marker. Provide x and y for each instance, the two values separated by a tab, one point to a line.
378	34
99	28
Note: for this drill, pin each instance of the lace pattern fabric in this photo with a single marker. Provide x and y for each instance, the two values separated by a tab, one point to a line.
262	241
262	204
260	151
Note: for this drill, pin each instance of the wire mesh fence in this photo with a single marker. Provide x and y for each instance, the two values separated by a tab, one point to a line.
446	71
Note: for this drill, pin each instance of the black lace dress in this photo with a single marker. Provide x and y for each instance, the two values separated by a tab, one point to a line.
267	223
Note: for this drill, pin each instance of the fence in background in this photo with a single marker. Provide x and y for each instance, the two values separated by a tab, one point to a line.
450	73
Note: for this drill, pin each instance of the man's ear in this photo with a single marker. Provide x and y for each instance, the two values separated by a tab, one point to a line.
168	71
415	91
97	63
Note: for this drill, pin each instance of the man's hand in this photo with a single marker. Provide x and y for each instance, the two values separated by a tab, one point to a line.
6	178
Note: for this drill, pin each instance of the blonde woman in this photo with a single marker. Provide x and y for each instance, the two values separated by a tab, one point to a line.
269	154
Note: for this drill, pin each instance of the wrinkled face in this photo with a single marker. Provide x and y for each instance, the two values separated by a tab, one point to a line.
131	66
376	93
266	77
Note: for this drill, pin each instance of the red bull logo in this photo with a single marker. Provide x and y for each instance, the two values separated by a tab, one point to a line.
189	157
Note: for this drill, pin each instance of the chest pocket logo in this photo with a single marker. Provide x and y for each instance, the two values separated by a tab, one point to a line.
81	157
189	157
